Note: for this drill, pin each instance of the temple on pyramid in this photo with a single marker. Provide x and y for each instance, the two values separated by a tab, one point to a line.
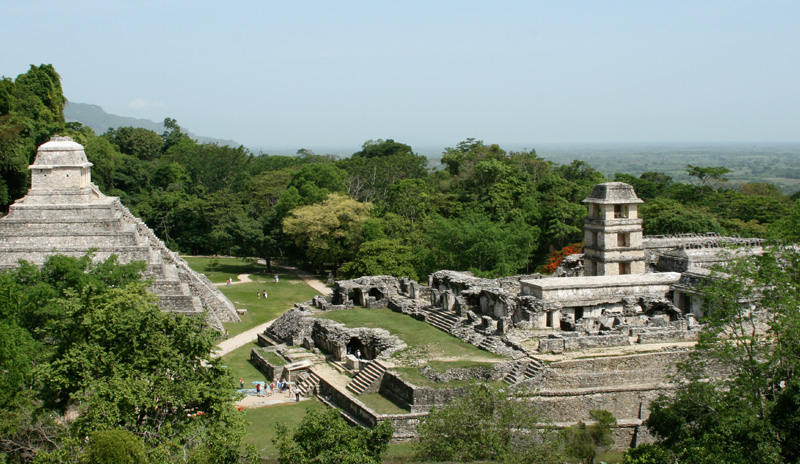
65	213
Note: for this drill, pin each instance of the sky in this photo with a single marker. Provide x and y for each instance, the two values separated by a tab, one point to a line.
324	73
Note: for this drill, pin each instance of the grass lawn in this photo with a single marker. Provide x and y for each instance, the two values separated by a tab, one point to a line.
238	361
228	267
380	404
281	296
399	453
261	430
413	375
426	341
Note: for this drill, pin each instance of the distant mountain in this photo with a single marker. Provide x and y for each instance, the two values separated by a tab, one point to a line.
100	121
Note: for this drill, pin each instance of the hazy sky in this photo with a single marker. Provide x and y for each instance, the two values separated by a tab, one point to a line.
327	73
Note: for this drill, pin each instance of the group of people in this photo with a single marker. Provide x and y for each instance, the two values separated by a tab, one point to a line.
263	388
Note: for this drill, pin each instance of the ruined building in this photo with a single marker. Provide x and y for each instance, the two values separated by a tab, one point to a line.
65	213
604	334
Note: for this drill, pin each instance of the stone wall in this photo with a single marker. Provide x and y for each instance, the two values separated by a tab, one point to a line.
298	327
414	398
558	343
260	362
404	425
646	369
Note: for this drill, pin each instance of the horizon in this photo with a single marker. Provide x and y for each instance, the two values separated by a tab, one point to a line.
318	74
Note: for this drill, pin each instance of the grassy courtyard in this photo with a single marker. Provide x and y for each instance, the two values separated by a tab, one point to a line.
424	341
281	296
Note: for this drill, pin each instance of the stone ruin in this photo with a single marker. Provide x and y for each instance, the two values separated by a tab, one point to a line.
65	213
624	291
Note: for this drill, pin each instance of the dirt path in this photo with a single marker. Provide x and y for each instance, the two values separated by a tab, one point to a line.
241	279
226	346
230	344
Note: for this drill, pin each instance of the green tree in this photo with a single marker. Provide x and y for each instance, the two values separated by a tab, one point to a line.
323	437
411	199
103	356
31	111
585	441
136	141
486	425
751	333
382	257
648	454
664	216
106	160
314	182
330	231
474	242
707	176
116	447
374	169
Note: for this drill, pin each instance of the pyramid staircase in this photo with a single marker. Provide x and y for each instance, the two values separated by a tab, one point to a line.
367	378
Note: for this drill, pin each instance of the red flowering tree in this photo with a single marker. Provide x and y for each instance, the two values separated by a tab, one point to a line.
555	258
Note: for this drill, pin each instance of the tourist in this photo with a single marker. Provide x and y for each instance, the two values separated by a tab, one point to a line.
241	382
296	394
258	388
276	278
228	282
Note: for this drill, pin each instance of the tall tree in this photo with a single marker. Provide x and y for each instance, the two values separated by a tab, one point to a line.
31	111
105	357
486	425
329	231
325	438
752	333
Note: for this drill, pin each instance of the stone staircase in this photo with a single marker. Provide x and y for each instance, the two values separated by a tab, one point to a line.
339	366
524	370
309	384
486	344
367	377
513	376
442	319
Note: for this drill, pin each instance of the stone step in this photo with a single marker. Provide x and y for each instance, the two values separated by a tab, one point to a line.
266	339
309	384
339	366
486	344
533	369
441	319
513	376
367	377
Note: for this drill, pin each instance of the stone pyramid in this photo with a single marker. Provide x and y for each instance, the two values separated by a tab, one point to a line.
65	213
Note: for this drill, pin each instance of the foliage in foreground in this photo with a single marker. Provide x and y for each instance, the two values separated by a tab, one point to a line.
752	332
323	437
486	425
91	365
586	441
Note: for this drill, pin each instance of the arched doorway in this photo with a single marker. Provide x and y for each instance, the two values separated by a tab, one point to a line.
355	347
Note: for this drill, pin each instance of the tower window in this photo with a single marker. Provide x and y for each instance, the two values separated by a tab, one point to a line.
623	239
624	268
620	211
